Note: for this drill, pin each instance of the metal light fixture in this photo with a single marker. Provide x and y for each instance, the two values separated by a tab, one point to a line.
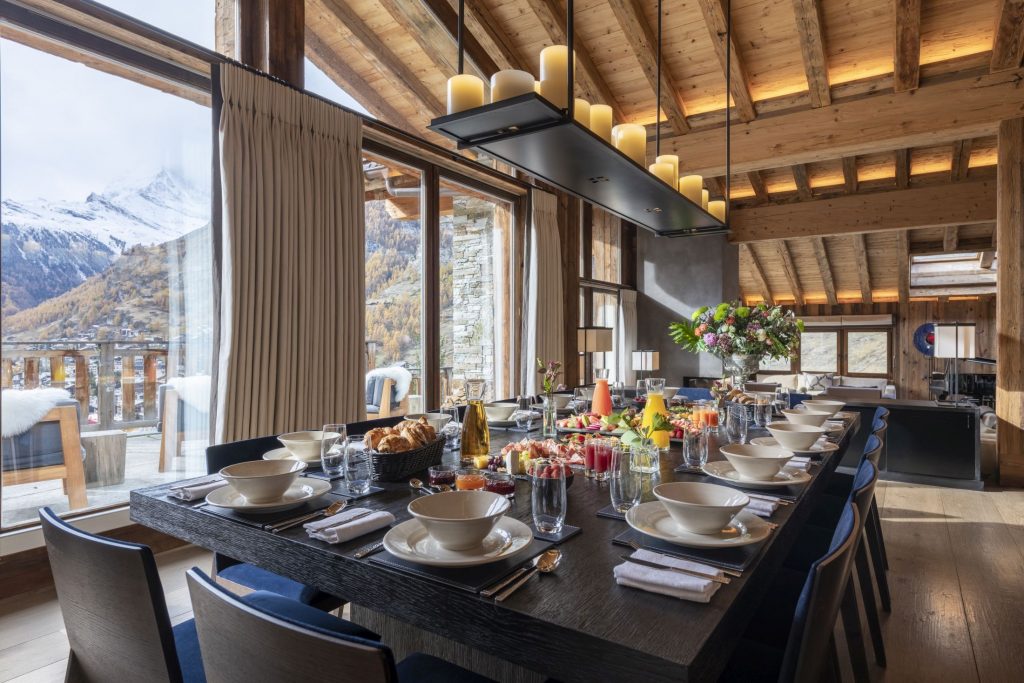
954	341
646	361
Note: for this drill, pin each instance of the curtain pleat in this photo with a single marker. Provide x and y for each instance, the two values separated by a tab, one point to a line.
545	338
292	289
626	342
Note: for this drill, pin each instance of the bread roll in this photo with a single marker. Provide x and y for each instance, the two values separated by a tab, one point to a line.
394	444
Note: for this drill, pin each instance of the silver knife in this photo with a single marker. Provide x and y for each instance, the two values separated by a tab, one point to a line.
680	570
368	550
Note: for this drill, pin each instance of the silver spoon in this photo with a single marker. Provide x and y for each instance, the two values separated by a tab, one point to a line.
332	509
417	484
546	563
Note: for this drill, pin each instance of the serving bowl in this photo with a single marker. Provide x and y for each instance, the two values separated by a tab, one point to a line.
305	446
815	418
562	401
700	508
824	405
670	392
500	412
262	481
760	463
795	437
435	420
459	520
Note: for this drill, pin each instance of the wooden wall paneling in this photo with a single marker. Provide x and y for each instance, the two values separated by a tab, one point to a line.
1010	303
812	47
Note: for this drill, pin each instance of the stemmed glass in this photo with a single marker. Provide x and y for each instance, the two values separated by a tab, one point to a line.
625	482
332	449
736	424
548	496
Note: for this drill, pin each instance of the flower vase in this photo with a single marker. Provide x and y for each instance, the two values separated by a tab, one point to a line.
741	366
549	428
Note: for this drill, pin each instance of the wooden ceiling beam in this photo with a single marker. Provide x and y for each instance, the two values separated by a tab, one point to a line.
789	270
870	124
552	18
1008	42
435	15
714	17
716	187
860	252
825	268
644	44
803	185
424	27
950	237
961	162
850	174
760	189
366	42
962	203
812	48
978	244
903	265
482	22
759	279
903	168
986	259
907	52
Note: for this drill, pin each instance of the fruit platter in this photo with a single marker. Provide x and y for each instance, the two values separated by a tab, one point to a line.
615	424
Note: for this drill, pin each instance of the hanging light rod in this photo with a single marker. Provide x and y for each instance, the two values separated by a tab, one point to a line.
563	142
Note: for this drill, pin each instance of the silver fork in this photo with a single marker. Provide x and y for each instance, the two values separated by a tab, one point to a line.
725	570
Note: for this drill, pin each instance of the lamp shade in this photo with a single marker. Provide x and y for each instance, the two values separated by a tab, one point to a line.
594	339
646	360
954	340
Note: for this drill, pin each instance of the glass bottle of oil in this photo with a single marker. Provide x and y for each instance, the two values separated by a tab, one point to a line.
476	437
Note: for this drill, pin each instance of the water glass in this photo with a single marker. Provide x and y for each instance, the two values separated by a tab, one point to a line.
332	449
548	496
358	468
618	394
641	389
781	399
602	458
736	424
452	429
625	482
695	448
579	401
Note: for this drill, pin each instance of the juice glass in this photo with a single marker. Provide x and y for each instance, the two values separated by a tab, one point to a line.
602	458
589	449
469	480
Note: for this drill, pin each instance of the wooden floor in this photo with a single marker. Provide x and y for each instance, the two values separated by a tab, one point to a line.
956	572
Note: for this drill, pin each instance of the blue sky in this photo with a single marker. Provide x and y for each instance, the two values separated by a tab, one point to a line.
67	130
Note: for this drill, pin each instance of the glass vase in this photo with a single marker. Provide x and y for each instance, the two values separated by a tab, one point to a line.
549	428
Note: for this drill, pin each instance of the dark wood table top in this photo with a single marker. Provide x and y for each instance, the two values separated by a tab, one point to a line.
576	624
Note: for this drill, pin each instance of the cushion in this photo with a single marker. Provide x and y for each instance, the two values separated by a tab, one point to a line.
258	579
186	641
817	382
421	668
40	446
304	615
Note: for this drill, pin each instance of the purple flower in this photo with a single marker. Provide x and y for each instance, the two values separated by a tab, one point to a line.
710	339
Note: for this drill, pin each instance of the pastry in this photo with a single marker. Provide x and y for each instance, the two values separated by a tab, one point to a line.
394	444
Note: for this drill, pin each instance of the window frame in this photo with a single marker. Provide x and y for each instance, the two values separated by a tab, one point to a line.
842	353
888	352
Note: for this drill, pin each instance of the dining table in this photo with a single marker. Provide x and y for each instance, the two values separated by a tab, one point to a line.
573	624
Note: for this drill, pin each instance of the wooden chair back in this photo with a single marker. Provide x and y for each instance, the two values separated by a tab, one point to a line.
113	605
242	644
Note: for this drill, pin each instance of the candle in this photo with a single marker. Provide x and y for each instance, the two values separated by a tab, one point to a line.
663	171
631	140
704	196
510	83
674	160
536	87
690	186
465	91
581	112
554	63
717	209
601	121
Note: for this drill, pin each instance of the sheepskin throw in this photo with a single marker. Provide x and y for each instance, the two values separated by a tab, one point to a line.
401	376
22	408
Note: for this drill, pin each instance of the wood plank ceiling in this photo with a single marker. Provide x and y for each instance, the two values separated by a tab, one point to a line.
853	61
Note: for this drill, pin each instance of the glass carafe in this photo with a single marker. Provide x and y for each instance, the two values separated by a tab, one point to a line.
476	438
656	405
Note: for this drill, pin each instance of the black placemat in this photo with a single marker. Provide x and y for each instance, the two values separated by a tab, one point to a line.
567	532
264	521
320	474
731	558
342	490
470	579
611	513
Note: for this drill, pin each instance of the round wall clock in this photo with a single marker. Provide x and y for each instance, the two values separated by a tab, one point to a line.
924	339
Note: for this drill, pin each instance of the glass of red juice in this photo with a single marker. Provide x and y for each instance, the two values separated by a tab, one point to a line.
589	448
602	458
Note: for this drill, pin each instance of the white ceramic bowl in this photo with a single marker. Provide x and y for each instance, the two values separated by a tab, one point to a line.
815	418
669	393
304	446
262	481
823	405
562	401
760	463
459	520
795	437
499	412
701	508
435	420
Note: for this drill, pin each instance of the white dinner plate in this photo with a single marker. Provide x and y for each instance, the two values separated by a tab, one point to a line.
302	490
285	454
820	447
787	476
410	541
653	519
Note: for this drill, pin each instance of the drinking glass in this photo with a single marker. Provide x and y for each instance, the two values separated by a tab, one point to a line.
441	475
452	430
589	451
579	401
548	496
502	483
736	424
781	399
695	448
469	479
358	468
641	389
332	449
602	458
618	394
625	482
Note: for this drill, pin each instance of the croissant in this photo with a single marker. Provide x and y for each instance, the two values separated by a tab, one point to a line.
394	444
373	437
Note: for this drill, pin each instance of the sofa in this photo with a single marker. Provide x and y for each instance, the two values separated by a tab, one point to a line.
817	383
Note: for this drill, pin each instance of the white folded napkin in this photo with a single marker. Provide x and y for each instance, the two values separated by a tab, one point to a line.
799	463
335	529
194	490
761	508
665	582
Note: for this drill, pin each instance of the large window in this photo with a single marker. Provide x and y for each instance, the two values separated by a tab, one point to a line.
867	352
819	352
106	284
846	351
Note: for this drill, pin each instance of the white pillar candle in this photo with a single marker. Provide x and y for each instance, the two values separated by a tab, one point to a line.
510	83
631	140
536	87
704	197
663	171
717	209
674	160
554	63
465	91
690	186
601	121
581	112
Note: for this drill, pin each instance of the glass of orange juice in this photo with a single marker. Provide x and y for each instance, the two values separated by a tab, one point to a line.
469	480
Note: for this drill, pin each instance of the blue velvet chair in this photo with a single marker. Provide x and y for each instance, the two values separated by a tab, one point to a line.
790	637
694	393
244	641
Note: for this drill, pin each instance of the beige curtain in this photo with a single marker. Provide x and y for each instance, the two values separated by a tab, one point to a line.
291	301
544	325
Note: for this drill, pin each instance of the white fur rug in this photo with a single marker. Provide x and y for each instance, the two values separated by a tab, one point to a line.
193	391
22	408
401	376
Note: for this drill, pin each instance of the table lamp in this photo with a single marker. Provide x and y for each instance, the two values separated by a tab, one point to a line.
954	341
594	340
